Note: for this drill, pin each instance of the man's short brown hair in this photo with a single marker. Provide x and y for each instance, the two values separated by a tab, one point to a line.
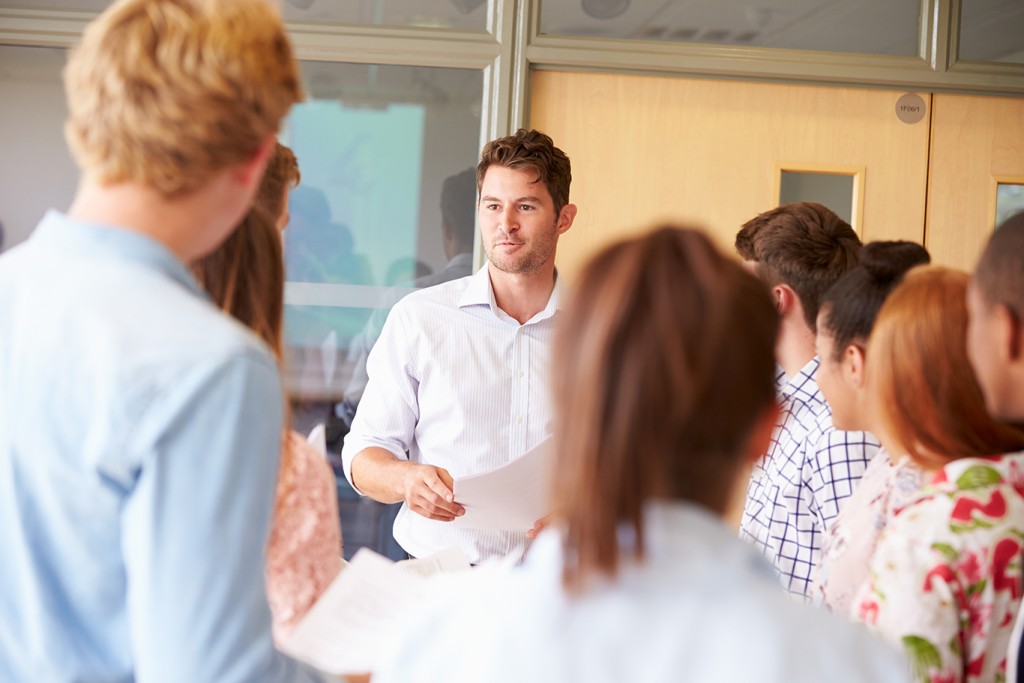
167	93
530	150
805	246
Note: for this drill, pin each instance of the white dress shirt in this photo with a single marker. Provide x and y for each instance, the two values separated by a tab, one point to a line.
457	383
705	606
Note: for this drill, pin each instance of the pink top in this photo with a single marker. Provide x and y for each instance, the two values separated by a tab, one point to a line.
850	541
304	551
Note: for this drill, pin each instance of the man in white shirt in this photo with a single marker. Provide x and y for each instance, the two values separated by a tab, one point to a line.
458	378
796	489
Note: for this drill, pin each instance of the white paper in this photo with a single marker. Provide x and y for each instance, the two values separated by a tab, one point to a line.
450	560
510	498
318	439
347	629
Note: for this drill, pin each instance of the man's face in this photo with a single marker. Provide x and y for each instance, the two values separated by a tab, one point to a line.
517	220
984	349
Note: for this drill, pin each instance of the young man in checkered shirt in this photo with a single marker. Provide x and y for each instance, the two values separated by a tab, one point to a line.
797	488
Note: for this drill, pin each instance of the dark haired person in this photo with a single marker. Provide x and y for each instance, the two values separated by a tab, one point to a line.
995	344
457	380
664	392
845	319
799	251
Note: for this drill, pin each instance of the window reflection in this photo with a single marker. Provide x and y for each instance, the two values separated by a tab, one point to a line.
375	145
1009	200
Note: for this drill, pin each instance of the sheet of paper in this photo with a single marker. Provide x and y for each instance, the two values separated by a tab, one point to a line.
450	560
348	628
510	498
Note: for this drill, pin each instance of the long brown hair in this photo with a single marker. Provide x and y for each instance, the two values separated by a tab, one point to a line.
245	277
663	364
919	376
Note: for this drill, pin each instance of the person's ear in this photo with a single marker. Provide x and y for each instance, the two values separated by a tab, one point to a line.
249	173
761	434
853	365
565	217
785	299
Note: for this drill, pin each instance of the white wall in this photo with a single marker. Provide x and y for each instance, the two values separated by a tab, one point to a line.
36	170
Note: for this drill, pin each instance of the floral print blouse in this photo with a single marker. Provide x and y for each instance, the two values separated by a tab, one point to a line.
304	550
945	579
848	544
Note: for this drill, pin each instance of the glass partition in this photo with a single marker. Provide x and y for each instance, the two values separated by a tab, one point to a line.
463	14
375	145
1009	200
991	30
36	169
834	190
870	26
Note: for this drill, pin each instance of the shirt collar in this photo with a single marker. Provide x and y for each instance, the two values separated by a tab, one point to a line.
480	292
96	240
805	380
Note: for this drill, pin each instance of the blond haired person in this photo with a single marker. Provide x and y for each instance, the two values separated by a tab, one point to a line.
664	394
141	427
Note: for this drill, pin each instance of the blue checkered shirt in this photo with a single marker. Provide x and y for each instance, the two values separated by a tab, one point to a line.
797	488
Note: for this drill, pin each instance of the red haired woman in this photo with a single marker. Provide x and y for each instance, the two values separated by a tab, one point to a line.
945	578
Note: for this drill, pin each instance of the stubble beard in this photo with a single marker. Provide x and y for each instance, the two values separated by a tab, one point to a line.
528	263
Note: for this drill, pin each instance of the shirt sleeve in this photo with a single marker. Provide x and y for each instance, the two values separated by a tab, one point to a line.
834	467
912	596
389	410
195	525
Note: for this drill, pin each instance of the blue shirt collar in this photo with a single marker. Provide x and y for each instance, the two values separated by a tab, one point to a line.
96	240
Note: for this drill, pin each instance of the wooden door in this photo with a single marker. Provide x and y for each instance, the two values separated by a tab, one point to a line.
649	149
977	143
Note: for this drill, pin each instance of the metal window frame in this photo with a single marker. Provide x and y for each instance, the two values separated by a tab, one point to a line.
513	46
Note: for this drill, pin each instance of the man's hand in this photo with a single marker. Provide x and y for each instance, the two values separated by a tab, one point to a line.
428	492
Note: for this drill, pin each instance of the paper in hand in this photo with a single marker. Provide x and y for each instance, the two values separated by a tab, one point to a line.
510	498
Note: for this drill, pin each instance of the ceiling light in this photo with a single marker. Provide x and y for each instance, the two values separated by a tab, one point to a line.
604	9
